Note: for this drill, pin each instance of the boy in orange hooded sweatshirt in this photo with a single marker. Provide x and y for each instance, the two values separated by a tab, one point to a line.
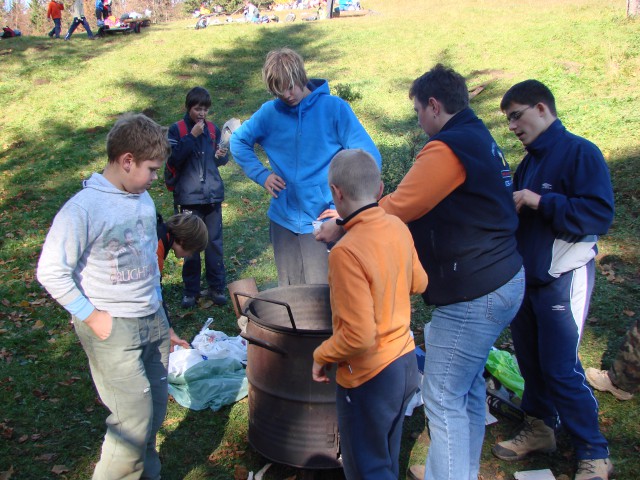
54	12
373	270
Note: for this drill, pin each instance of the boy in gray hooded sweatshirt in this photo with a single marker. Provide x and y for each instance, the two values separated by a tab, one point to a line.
108	279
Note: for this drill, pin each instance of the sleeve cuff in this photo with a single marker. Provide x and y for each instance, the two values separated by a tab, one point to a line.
81	308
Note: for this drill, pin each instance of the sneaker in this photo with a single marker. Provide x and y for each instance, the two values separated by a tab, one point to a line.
217	296
600	380
599	469
188	302
416	472
535	436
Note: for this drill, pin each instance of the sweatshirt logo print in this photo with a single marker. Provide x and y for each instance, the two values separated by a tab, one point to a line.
547	186
505	171
557	308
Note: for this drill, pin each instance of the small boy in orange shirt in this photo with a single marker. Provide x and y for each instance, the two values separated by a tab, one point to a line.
373	270
54	12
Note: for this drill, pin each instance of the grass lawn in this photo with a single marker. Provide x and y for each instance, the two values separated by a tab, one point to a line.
59	99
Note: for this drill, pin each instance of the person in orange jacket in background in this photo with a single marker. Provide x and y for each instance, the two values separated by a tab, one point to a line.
54	12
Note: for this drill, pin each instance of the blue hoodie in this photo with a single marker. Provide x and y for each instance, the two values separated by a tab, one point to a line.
572	177
300	142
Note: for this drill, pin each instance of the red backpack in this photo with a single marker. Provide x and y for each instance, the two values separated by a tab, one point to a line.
170	173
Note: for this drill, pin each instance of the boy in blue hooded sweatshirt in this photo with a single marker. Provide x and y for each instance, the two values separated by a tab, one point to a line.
301	130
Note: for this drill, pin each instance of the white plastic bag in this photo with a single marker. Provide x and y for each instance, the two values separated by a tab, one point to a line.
181	359
215	344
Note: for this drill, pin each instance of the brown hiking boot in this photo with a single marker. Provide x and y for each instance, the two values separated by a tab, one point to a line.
535	436
600	380
598	469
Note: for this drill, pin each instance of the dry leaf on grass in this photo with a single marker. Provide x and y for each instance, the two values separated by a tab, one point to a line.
6	475
59	469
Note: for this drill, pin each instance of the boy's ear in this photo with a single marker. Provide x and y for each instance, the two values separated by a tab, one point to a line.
380	190
336	191
126	160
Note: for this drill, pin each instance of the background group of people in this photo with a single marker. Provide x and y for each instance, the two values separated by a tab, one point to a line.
54	12
488	250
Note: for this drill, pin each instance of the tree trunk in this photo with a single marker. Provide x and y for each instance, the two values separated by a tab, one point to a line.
633	8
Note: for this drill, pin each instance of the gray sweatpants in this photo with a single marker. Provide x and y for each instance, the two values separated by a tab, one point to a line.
300	258
129	370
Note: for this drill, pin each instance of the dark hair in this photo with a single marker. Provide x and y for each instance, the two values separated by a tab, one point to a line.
529	92
189	231
139	135
443	84
197	96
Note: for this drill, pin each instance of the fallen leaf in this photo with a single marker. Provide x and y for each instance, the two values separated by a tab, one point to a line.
58	469
38	325
205	303
629	313
240	472
46	457
23	438
6	475
6	431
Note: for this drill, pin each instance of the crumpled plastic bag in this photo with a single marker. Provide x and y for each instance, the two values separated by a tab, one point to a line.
502	365
212	383
215	344
182	359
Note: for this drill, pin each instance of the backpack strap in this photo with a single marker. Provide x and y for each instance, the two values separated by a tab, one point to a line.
182	128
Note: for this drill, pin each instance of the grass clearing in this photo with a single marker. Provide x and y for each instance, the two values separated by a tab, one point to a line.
59	100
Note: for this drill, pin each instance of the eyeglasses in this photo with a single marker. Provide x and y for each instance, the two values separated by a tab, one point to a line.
515	116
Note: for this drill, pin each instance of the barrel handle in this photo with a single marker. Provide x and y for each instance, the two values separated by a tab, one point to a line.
263	344
286	305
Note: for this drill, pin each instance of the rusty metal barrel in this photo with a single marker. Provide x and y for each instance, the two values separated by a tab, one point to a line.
292	419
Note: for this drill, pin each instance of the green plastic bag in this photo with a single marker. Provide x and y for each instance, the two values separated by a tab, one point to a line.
503	366
211	383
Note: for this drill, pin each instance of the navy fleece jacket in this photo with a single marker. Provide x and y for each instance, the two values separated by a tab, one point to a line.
570	174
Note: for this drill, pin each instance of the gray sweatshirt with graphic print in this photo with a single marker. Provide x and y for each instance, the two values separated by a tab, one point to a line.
102	249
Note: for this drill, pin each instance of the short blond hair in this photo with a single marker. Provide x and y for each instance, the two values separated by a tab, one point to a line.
139	135
283	69
356	173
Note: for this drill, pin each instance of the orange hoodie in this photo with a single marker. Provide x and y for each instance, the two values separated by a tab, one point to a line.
55	9
373	270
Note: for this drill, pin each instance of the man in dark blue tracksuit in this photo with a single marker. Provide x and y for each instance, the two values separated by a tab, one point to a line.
564	198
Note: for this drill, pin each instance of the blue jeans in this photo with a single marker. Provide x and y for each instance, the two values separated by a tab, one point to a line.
457	342
57	26
79	21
